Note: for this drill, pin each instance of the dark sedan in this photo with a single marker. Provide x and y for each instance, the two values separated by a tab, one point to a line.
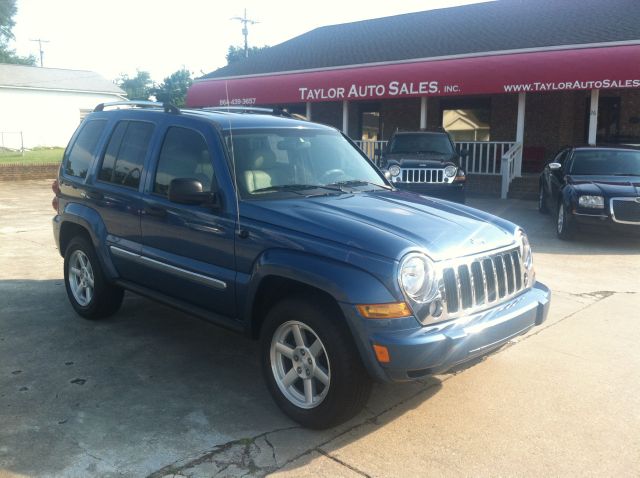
592	186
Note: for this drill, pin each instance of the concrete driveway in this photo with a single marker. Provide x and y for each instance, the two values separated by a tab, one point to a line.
155	392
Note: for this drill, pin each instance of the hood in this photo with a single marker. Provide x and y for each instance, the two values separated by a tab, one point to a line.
388	224
427	160
607	186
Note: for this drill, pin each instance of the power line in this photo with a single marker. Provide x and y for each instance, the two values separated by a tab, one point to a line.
40	42
245	31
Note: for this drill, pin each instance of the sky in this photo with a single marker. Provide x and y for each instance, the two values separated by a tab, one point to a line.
114	37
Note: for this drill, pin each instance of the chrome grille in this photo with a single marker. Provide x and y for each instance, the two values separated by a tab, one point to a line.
625	210
481	281
422	175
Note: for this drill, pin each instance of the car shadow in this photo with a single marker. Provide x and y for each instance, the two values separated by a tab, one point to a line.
135	393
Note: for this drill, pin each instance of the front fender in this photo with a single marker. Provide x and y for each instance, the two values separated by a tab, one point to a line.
91	221
344	282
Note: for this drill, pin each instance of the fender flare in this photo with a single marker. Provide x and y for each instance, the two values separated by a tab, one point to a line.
91	221
344	282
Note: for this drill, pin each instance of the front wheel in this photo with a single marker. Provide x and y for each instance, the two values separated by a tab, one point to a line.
311	365
564	225
542	200
89	292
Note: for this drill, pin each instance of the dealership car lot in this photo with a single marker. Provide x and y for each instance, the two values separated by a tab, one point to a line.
155	392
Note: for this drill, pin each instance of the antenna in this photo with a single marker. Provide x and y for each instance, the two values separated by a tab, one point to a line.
40	42
245	31
239	231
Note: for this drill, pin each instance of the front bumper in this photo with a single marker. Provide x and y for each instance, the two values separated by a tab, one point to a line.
602	221
429	350
452	192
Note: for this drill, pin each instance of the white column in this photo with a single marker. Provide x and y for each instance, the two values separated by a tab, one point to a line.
423	112
593	116
345	117
522	97
308	110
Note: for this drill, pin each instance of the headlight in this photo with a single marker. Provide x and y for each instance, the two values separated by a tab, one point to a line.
526	257
450	171
417	277
594	202
394	169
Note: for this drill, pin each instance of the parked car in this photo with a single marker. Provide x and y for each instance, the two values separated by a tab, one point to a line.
425	162
592	186
285	231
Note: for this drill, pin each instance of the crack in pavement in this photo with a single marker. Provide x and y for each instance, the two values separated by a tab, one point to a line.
347	465
242	454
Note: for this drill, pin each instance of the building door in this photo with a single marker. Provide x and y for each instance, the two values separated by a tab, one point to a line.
608	120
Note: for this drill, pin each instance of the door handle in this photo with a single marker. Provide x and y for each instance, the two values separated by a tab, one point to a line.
93	195
154	211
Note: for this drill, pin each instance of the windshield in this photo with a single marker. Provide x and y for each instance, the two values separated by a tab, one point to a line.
299	162
421	143
610	162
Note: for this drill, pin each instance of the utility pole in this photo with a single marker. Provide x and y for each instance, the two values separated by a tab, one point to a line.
245	31
40	42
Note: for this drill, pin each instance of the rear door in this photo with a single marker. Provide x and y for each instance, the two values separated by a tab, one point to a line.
115	191
188	250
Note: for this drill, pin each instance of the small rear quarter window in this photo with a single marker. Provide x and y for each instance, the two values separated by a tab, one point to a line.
80	155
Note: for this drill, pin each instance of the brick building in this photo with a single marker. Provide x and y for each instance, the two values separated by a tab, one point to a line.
519	76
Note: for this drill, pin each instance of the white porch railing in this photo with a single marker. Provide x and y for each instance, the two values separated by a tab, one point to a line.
373	149
483	157
508	167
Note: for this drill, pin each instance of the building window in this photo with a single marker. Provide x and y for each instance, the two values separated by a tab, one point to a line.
467	120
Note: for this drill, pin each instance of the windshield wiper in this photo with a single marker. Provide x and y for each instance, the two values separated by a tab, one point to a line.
296	188
625	174
359	182
432	151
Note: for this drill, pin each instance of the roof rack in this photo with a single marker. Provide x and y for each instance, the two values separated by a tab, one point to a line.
250	110
168	107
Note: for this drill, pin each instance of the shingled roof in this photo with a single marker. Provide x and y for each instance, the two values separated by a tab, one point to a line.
20	76
470	29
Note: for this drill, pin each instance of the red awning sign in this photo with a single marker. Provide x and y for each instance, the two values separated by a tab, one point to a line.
578	69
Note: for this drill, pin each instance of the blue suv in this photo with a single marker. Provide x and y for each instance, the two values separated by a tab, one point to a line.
284	230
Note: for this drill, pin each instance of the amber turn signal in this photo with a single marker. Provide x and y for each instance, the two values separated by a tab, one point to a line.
382	353
391	310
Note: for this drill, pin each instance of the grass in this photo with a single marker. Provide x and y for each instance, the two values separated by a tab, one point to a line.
34	156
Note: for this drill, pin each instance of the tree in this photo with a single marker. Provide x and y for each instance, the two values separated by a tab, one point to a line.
7	12
138	87
236	53
174	88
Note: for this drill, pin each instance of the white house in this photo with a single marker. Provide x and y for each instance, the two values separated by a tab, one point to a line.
43	106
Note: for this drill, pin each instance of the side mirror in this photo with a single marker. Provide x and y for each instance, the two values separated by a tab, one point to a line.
555	166
189	191
464	153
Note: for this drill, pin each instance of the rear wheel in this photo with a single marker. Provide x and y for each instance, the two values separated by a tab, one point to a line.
564	226
311	365
90	294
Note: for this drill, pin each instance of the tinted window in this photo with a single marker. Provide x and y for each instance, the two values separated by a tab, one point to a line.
606	162
184	155
81	153
421	143
123	160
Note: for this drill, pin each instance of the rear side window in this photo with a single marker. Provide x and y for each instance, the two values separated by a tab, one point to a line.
82	151
184	155
124	158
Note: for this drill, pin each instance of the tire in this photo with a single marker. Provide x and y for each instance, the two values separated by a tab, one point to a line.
564	226
542	201
81	268
348	385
